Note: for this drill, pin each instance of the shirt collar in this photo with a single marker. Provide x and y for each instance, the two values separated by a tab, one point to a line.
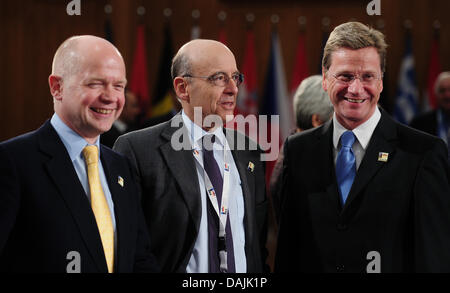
73	142
363	132
196	133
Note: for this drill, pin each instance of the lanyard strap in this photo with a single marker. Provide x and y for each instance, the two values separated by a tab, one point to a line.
222	213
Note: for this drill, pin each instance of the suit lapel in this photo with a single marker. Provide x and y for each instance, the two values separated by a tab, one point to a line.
381	141
61	170
182	165
247	182
121	211
325	160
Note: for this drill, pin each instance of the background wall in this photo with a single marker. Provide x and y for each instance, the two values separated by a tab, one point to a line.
31	31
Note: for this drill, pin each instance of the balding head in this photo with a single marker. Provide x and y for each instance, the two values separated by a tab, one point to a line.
87	84
204	73
74	51
196	52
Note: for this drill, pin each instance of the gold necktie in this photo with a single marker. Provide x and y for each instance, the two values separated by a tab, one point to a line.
99	204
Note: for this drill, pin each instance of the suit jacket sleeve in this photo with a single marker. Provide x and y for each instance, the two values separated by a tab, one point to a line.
432	212
9	197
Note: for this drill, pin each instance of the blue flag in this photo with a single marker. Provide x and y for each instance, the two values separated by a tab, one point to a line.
407	94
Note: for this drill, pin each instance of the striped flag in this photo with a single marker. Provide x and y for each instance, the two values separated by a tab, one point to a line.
407	94
434	68
247	95
139	76
300	66
276	101
276	98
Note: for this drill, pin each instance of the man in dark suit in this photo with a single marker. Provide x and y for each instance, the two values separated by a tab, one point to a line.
68	204
437	122
181	200
363	193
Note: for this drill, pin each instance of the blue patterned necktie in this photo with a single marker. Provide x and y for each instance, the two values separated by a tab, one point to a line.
346	165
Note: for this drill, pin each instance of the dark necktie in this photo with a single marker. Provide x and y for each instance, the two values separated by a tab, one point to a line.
346	165
216	244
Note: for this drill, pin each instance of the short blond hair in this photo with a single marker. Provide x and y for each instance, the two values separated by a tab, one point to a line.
354	35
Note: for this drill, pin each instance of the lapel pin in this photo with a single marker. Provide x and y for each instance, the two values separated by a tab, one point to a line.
383	157
120	181
250	166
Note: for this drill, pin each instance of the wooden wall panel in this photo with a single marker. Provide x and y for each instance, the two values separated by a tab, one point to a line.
31	31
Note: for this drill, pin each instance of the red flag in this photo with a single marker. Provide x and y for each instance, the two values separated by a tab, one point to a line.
247	96
300	65
433	71
139	75
223	36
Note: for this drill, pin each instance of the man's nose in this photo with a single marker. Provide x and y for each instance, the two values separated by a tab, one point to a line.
356	87
231	87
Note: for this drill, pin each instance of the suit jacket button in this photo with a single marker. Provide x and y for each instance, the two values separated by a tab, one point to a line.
341	227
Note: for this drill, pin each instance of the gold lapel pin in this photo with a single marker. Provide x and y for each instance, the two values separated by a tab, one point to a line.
251	166
120	181
383	157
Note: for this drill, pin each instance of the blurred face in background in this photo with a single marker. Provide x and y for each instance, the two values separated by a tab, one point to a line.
443	95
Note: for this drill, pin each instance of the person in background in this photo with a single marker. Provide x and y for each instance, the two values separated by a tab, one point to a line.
126	121
362	193
312	108
437	122
67	203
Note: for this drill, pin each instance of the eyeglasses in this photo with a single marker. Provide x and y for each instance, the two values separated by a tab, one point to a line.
348	78
221	79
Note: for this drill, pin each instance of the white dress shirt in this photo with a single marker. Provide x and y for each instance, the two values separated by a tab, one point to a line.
199	261
363	134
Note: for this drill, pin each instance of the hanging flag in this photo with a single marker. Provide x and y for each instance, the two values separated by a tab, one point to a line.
222	35
162	101
108	31
139	76
407	95
276	100
434	68
300	65
325	36
247	98
247	95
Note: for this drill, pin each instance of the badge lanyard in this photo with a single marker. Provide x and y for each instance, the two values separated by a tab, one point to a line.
223	212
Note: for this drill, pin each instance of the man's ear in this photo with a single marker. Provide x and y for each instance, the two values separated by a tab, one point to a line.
181	88
324	79
56	88
315	120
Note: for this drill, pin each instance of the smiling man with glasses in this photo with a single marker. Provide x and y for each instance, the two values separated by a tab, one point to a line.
206	207
362	192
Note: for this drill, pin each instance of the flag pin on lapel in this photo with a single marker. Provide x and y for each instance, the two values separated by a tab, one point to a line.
383	157
250	166
120	181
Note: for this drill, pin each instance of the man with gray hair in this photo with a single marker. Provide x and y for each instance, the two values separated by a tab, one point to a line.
437	122
312	108
363	193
